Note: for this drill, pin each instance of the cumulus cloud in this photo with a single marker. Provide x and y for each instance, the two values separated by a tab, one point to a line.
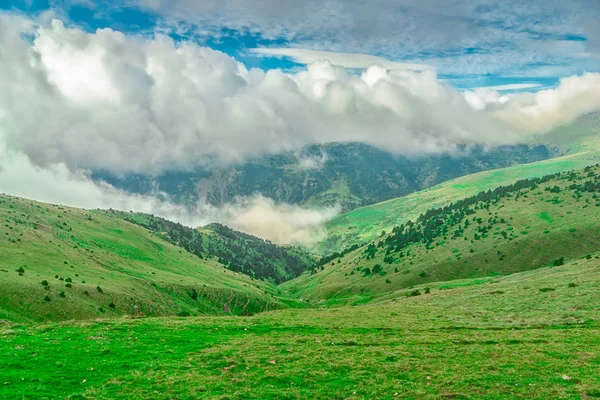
124	104
129	104
541	111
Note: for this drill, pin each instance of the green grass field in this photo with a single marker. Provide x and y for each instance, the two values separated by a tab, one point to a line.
67	254
529	335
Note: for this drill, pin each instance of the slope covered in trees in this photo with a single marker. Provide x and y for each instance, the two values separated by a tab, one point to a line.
237	251
530	224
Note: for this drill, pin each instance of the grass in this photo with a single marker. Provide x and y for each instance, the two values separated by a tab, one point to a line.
533	230
501	338
137	271
366	223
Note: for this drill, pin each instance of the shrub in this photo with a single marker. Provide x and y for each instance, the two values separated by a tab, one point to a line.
388	281
183	314
414	293
99	289
20	271
69	285
423	274
559	262
68	280
44	283
572	285
547	289
86	292
376	269
61	293
101	309
47	298
427	291
111	305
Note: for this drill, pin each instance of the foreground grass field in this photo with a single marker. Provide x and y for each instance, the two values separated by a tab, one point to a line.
529	335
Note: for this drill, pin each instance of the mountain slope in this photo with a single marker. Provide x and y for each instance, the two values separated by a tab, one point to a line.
349	174
235	250
527	225
366	223
62	263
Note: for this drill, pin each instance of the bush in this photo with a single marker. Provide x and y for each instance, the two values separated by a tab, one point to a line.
376	269
414	293
427	291
547	289
68	280
20	271
99	289
44	282
388	281
559	262
183	314
47	298
85	292
69	285
423	274
572	285
111	305
61	293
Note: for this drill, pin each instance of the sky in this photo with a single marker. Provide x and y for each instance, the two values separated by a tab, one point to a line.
471	43
148	86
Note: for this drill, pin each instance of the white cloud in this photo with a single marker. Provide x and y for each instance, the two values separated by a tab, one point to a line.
313	161
280	223
514	86
347	60
541	111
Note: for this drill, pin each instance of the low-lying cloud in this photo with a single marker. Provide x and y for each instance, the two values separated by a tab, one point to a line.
257	215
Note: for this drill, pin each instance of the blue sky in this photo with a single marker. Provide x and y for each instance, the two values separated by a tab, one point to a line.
470	43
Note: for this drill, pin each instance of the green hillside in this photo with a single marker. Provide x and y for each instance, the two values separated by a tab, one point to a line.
366	223
62	263
531	335
237	251
527	225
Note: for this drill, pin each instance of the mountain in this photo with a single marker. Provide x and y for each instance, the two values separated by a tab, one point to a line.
530	224
364	224
62	263
349	174
235	250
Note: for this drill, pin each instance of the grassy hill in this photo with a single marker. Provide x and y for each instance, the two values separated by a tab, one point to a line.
527	225
529	335
62	263
237	251
366	223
